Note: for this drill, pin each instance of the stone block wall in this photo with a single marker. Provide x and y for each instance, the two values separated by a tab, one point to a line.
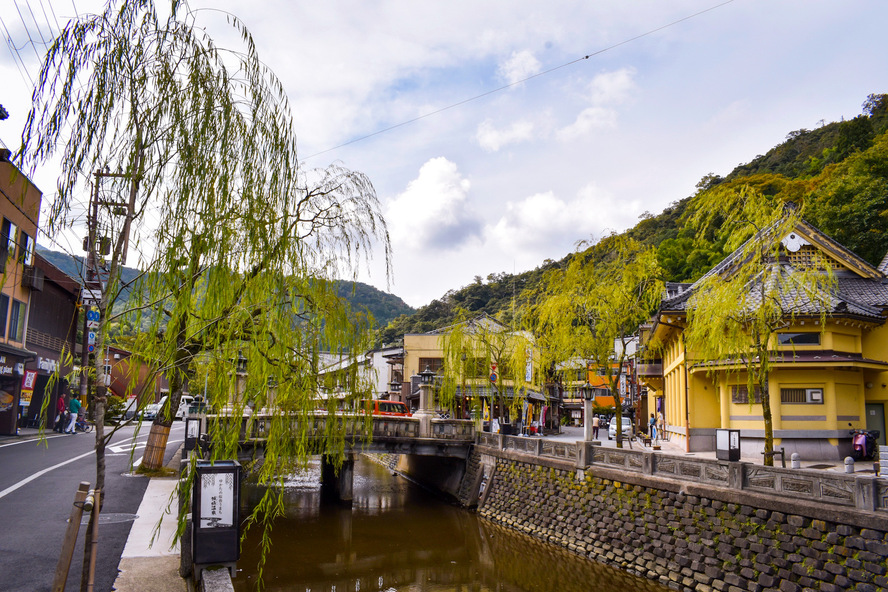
688	538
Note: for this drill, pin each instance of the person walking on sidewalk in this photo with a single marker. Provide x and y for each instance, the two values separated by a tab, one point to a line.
74	408
596	422
59	425
653	424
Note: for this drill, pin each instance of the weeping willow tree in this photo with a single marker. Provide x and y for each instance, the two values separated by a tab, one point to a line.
237	241
480	349
591	309
736	309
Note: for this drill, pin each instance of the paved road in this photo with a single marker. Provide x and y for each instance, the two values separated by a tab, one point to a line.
38	480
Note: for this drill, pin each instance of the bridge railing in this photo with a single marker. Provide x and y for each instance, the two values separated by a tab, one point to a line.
860	491
453	429
256	426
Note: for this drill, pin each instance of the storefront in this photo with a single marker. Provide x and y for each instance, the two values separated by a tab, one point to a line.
12	370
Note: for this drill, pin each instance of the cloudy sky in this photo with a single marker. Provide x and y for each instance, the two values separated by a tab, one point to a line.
670	92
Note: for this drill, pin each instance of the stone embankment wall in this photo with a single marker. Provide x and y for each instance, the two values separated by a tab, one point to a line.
689	536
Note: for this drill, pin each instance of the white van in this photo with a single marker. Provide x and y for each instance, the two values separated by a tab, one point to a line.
152	410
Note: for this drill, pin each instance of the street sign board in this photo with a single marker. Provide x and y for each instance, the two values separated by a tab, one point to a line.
91	296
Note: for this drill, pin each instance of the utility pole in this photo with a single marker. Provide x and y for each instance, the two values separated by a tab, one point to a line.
93	285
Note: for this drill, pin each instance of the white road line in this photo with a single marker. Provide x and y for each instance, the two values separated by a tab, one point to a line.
23	482
31	440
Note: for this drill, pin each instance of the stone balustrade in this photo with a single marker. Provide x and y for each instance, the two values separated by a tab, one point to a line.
858	490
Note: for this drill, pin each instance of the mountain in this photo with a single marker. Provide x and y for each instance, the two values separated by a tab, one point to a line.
838	171
383	306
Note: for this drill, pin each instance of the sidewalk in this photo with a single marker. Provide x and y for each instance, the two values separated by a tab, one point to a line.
575	434
150	562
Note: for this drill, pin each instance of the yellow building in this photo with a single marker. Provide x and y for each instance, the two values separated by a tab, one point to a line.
485	373
824	380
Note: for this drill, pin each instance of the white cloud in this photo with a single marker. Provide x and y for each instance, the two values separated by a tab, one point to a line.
520	65
606	92
492	139
433	211
544	225
591	118
611	88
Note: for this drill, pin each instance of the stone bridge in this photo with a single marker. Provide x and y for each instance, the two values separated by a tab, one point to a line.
421	435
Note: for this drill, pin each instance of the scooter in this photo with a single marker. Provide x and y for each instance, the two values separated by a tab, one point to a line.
863	444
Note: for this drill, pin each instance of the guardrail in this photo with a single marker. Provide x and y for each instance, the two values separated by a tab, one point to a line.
864	492
257	426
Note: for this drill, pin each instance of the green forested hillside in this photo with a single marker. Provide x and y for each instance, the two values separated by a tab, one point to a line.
837	172
383	306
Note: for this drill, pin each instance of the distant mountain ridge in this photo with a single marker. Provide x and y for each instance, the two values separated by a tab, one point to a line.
383	306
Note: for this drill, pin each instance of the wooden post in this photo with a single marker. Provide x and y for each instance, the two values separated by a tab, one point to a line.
61	574
91	545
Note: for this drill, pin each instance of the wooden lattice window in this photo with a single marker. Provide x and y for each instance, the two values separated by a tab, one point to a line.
801	395
740	394
809	257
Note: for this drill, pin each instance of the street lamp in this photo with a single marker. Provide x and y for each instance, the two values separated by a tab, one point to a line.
424	413
427	376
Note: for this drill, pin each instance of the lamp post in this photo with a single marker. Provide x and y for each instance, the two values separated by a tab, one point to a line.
240	381
586	391
424	413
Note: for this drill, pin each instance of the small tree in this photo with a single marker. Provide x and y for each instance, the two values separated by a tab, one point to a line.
591	309
737	308
475	349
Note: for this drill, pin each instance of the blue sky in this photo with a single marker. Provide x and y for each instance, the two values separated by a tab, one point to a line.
504	182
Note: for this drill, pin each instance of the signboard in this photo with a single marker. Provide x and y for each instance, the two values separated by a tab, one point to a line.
92	318
91	296
28	381
217	500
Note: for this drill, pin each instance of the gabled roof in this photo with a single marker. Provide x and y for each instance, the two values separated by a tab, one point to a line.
483	321
861	289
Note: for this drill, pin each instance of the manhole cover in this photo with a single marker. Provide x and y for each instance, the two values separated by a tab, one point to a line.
110	518
821	467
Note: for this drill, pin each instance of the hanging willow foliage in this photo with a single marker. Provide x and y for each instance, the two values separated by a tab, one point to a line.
738	307
588	312
237	241
474	350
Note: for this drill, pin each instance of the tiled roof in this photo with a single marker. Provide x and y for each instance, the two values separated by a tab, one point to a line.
855	295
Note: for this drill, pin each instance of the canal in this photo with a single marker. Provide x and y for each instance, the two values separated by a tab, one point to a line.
398	537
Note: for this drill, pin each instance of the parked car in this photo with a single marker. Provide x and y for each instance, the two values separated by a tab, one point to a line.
377	407
612	428
153	409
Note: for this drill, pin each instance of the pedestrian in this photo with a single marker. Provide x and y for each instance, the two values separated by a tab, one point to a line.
596	422
661	425
59	425
74	408
653	425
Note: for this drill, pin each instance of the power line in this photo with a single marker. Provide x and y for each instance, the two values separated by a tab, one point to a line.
537	75
20	62
27	30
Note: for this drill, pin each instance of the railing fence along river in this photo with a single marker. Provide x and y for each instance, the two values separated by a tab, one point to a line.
399	537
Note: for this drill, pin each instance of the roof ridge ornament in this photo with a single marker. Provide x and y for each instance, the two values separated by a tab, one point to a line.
793	242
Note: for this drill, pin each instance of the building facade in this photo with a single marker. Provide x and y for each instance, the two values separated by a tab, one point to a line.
20	210
825	379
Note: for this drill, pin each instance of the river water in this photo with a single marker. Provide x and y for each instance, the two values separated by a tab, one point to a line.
397	537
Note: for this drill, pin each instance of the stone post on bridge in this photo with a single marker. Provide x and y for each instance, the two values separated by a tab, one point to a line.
240	384
426	402
587	392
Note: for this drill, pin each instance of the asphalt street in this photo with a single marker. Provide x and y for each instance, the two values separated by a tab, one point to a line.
38	479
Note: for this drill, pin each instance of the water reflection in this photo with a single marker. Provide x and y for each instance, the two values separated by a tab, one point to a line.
397	537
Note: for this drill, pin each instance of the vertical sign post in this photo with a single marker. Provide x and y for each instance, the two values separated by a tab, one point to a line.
216	513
